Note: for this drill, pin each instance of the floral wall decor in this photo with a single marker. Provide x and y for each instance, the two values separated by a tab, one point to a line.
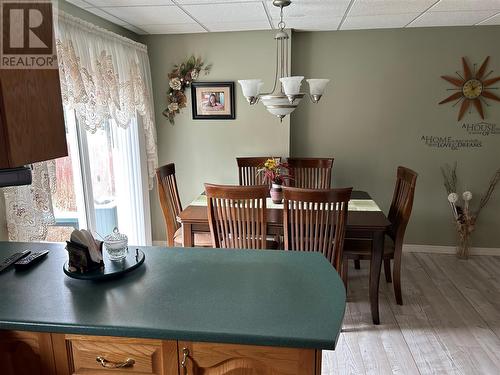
181	77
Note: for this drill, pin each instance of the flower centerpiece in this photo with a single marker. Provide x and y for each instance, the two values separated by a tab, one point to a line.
275	172
179	78
464	217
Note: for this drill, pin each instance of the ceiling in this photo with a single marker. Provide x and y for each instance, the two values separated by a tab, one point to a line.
197	16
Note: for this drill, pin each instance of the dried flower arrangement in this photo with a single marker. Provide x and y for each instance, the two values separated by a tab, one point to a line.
464	218
181	77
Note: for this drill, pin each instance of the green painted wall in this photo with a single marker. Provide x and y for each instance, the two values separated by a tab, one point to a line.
96	20
205	151
383	97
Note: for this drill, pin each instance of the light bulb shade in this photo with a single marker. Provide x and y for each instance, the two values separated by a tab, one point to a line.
251	87
291	85
279	105
317	86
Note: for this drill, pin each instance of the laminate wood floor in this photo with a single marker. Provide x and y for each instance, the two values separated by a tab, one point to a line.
449	323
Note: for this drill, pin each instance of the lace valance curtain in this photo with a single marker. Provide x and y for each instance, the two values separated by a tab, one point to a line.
103	77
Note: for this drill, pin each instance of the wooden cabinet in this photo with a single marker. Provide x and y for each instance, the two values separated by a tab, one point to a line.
26	353
31	117
197	358
60	354
100	355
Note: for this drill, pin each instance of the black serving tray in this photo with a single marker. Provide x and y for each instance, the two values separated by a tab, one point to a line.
112	269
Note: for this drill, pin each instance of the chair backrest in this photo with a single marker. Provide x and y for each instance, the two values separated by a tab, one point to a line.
311	173
169	199
402	203
247	170
237	216
315	220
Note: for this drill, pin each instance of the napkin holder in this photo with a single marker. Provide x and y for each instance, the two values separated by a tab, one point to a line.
80	260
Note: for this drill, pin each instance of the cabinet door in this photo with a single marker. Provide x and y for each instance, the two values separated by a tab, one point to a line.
26	353
31	117
100	355
196	358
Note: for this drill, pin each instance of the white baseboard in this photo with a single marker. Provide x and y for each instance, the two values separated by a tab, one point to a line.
433	249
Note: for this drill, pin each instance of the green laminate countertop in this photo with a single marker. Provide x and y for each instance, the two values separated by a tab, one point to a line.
265	297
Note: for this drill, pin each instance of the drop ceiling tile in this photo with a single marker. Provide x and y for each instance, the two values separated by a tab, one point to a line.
495	20
231	13
466	5
238	26
307	8
313	23
192	2
125	3
153	15
378	21
81	3
386	7
107	16
184	28
135	29
451	18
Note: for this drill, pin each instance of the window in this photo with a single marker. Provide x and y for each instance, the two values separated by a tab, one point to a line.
102	183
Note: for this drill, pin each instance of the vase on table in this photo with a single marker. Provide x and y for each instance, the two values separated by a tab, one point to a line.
276	193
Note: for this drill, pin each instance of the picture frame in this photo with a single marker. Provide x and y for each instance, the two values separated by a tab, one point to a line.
213	100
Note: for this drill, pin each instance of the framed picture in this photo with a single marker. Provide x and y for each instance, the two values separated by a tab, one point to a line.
213	100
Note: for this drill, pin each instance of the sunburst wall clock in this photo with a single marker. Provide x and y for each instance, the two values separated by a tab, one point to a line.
473	88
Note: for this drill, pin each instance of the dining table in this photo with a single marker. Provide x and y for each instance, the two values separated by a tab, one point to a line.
365	220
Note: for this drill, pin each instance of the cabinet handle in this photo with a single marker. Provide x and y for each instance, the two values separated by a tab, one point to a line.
185	355
129	362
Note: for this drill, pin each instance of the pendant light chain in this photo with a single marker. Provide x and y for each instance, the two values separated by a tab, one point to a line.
281	24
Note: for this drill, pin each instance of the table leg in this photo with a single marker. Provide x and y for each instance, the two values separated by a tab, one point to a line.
375	268
187	235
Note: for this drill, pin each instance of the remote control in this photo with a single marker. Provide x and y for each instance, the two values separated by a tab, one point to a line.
12	259
30	260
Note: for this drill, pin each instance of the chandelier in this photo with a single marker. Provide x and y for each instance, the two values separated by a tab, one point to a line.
285	96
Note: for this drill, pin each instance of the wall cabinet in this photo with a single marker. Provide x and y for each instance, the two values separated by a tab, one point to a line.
31	117
63	354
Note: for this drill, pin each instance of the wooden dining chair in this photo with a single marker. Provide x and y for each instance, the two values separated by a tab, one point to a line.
248	167
171	207
311	173
399	215
237	216
315	220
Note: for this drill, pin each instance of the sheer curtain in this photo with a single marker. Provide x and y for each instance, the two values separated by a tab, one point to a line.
106	80
105	76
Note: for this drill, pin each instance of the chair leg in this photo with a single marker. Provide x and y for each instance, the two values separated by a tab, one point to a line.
397	277
387	270
345	267
357	264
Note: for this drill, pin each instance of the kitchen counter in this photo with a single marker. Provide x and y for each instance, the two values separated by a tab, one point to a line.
271	298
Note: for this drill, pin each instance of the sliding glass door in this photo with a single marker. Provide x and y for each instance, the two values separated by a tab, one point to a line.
102	183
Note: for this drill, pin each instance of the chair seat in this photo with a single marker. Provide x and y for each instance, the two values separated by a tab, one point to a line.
200	239
355	248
